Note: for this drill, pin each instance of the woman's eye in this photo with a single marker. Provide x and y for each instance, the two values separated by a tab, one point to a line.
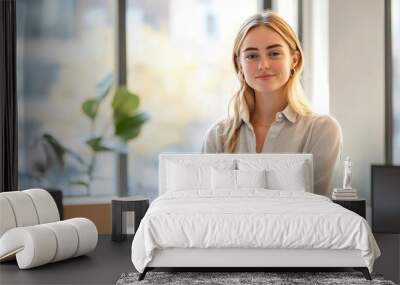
275	54
251	56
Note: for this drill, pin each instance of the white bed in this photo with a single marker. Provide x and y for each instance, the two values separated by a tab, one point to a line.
202	220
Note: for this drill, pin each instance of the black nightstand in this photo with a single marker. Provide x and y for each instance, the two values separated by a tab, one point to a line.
358	206
138	205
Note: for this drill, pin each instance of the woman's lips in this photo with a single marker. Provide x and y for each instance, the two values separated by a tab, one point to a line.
265	77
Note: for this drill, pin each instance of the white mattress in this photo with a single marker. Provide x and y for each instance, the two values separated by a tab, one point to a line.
252	218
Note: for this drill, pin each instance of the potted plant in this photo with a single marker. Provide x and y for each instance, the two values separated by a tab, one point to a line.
126	121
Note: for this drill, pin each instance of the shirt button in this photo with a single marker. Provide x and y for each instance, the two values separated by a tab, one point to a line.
279	116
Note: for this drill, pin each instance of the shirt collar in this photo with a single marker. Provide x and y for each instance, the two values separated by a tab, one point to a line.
245	116
288	113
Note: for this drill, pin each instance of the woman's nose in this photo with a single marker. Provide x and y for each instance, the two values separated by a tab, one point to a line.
263	64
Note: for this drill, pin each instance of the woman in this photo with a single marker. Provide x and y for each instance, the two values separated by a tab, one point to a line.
269	113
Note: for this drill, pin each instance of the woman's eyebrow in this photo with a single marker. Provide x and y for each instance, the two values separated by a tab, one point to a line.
274	46
249	49
268	47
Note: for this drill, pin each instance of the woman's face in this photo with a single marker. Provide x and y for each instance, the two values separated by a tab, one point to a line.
266	60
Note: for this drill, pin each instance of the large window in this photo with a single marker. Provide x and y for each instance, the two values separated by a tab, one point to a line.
179	63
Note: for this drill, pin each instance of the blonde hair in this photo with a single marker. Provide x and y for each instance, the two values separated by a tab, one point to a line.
244	99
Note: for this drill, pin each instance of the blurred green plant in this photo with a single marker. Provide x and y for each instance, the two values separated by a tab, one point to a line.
127	123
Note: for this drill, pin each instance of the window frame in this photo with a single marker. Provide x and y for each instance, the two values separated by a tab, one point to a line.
389	116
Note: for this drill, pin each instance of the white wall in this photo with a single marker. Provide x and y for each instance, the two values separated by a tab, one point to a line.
357	97
357	84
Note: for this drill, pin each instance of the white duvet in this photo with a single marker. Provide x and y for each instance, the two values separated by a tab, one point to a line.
251	218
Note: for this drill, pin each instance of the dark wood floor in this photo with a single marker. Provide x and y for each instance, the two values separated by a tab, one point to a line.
110	259
102	266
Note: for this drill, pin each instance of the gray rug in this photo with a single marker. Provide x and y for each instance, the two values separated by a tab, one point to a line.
229	278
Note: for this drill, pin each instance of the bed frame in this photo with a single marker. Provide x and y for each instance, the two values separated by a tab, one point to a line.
249	258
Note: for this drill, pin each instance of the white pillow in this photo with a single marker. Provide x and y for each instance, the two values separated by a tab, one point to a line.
293	180
281	174
223	179
181	177
251	178
186	175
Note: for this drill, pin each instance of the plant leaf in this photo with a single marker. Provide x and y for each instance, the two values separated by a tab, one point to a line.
79	182
39	167
124	103
57	147
96	144
75	155
129	127
90	108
